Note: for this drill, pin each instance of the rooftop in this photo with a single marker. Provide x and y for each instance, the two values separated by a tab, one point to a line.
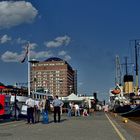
53	59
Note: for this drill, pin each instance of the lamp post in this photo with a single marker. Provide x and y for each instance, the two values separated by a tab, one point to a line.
29	84
33	62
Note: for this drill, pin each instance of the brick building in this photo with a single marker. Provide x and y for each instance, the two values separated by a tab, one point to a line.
54	75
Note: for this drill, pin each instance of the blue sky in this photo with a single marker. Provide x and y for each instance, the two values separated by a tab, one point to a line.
86	33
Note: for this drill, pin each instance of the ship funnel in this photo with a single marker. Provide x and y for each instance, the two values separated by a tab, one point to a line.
128	84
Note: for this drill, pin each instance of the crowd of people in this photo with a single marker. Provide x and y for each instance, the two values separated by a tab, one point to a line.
37	109
84	109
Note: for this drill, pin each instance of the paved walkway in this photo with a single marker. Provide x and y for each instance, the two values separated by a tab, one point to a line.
96	127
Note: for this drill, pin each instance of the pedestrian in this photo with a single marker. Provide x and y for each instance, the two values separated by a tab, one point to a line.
72	109
85	112
93	106
85	109
77	110
30	110
57	104
45	104
17	110
105	108
37	111
69	109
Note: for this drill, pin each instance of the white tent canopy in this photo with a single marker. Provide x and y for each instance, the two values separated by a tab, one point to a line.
71	97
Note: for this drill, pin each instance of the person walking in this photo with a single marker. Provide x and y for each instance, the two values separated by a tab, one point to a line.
30	110
57	104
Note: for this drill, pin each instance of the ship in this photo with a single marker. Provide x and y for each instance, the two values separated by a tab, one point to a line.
127	105
125	98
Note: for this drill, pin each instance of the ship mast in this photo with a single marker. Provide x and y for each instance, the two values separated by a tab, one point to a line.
136	61
126	70
118	78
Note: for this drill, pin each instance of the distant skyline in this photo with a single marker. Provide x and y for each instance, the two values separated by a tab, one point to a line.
88	34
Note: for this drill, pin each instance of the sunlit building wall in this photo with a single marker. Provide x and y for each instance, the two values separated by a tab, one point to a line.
54	75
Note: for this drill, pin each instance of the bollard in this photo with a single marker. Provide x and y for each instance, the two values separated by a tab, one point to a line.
125	120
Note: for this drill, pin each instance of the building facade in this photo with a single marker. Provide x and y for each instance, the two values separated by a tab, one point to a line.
54	75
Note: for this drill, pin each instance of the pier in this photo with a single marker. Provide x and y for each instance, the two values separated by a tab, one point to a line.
100	126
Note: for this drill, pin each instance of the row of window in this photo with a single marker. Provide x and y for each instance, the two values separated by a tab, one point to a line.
50	64
52	76
48	72
52	89
57	80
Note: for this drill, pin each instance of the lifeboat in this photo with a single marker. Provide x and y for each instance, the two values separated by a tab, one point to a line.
116	91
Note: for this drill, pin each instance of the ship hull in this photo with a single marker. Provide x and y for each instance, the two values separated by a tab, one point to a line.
128	110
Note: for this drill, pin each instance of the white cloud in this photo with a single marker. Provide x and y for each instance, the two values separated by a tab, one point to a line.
33	46
62	53
10	57
15	57
41	54
21	41
67	57
25	43
15	13
4	39
59	41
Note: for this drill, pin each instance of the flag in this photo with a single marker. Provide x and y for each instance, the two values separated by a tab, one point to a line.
26	54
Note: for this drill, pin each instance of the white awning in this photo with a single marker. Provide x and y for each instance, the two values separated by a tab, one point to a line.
72	97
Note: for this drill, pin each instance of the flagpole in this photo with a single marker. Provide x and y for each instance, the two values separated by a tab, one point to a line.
29	82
